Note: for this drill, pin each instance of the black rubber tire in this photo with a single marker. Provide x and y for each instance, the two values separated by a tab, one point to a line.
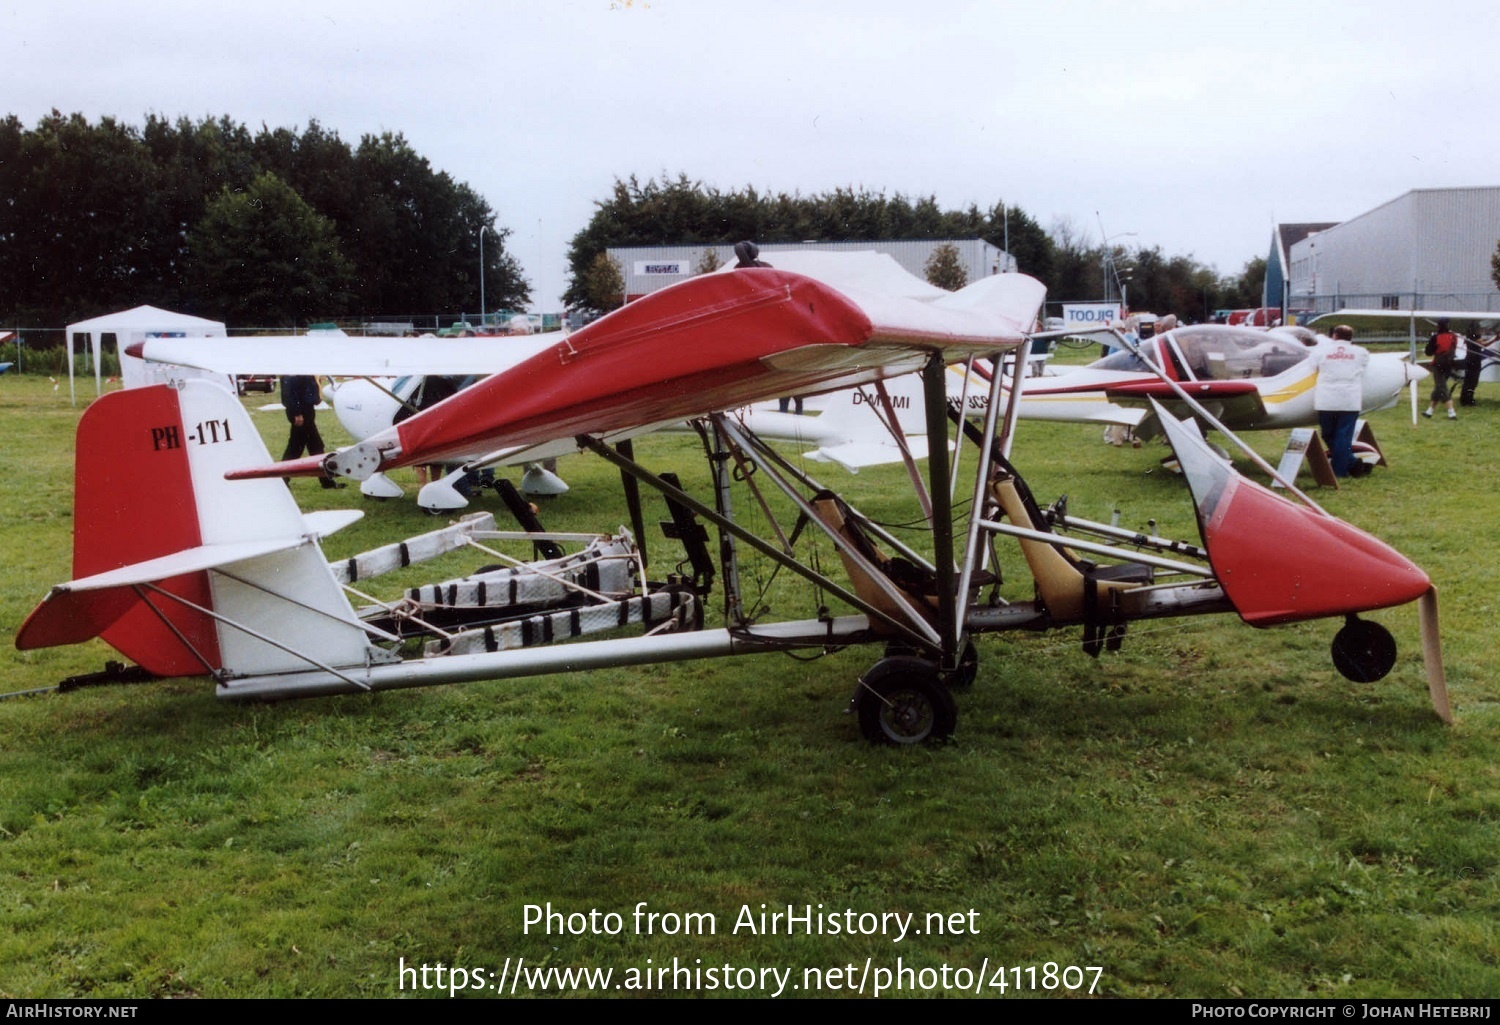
903	700
1363	651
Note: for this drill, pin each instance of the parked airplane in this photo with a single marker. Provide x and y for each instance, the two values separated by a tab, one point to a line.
1249	379
193	559
1422	324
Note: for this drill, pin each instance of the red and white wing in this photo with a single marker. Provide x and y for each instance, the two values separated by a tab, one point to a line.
715	342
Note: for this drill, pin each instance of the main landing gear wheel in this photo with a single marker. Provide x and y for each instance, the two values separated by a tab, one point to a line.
902	700
1363	651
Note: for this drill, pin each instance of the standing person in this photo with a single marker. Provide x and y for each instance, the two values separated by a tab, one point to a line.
1443	348
1337	396
1473	364
301	395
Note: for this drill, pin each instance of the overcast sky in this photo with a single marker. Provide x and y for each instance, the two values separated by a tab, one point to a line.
1186	125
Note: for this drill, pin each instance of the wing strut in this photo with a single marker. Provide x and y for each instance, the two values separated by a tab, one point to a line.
1213	421
893	425
935	386
632	487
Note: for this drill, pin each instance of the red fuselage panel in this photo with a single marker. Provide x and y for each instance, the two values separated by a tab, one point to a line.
1281	563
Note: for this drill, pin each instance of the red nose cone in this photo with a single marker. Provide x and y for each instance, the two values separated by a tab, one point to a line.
1280	563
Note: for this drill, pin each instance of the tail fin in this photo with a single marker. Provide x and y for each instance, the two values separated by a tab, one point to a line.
180	570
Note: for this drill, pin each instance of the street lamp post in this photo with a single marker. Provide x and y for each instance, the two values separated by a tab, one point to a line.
482	228
1109	266
1107	259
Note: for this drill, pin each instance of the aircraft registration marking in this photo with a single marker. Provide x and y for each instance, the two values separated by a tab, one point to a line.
207	432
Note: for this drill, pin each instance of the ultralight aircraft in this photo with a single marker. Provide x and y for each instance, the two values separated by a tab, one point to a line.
191	557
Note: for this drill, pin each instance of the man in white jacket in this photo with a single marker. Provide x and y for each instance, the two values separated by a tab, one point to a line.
1337	396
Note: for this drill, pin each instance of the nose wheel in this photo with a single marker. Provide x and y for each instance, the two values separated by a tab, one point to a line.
1363	651
903	700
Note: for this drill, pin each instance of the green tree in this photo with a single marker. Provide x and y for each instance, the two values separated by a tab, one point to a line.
1012	229
1077	268
264	257
945	268
194	162
414	235
79	216
603	287
1251	284
1495	266
99	216
682	211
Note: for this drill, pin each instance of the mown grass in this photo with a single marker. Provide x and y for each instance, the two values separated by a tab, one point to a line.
1211	812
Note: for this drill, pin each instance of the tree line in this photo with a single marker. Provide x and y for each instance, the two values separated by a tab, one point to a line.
682	211
275	228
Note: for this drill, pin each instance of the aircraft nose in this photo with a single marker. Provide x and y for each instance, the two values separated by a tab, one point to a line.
1416	373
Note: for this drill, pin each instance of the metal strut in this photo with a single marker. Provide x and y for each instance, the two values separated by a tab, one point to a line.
926	638
934	386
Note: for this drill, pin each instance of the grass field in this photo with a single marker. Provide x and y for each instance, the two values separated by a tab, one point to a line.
1212	812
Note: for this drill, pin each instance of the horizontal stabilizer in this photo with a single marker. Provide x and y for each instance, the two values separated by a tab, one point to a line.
82	609
855	455
323	522
192	560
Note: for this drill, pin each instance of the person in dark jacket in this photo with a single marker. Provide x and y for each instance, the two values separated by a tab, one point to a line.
1472	366
300	396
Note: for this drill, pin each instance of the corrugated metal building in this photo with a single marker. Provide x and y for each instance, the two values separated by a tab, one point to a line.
648	268
1427	249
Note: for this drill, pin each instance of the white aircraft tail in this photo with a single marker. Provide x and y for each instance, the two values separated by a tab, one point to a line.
183	572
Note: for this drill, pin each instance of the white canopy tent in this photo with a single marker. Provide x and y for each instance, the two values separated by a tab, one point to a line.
129	327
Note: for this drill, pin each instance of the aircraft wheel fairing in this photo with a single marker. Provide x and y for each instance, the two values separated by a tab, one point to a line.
903	700
1363	651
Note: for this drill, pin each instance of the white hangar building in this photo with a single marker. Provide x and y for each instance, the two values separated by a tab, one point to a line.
1427	249
648	268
